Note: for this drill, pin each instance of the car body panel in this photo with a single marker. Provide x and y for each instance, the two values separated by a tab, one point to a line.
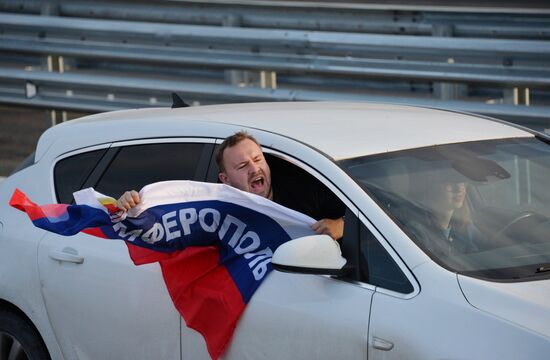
439	323
107	289
18	258
311	308
523	303
320	125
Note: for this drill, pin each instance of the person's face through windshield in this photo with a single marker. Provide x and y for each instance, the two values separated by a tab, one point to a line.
246	168
449	196
443	194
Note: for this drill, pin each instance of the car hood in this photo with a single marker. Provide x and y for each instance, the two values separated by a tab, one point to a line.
526	304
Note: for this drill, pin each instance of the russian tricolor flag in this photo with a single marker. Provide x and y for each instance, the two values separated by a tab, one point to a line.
214	243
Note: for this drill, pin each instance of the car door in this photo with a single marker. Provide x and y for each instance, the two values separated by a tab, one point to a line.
300	316
100	304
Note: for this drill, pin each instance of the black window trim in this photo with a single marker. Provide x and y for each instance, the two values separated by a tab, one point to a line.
114	147
68	154
396	258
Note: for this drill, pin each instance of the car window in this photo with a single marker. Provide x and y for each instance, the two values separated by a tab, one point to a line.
296	188
478	208
367	260
70	173
377	267
138	165
372	262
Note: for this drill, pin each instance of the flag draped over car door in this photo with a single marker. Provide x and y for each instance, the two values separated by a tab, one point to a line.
214	243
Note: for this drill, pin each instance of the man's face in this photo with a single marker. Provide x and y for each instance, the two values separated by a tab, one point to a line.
246	168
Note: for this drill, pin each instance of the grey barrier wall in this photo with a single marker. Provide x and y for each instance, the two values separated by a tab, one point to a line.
107	55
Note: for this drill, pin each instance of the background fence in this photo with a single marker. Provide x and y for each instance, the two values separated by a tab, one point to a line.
103	55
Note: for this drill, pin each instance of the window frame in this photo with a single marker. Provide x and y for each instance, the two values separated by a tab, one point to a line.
113	148
362	220
70	154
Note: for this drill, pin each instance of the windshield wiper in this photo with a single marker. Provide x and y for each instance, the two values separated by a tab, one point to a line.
542	269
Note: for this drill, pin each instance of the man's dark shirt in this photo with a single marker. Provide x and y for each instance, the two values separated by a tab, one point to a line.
298	190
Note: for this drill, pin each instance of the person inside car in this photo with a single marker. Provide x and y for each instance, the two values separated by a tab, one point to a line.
448	228
242	164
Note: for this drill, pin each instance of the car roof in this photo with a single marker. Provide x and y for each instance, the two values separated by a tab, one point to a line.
340	130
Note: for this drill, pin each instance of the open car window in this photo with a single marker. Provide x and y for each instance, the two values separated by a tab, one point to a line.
371	262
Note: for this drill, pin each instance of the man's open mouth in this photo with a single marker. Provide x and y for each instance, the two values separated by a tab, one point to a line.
257	182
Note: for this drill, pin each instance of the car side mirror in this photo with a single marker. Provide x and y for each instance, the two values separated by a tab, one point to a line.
315	254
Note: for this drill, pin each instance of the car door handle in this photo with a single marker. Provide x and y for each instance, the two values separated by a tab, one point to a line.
66	255
381	344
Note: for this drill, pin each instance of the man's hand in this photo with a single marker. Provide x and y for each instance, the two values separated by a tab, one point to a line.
332	227
128	200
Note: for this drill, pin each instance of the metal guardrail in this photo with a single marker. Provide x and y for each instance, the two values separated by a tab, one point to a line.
468	17
96	64
283	50
224	93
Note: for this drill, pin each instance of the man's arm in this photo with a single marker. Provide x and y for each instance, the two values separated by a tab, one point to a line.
332	227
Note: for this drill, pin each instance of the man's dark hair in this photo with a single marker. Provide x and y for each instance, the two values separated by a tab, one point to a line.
231	141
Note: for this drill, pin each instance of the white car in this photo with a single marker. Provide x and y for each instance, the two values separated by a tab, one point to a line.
446	237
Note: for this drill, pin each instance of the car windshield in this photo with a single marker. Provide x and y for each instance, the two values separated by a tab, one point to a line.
479	208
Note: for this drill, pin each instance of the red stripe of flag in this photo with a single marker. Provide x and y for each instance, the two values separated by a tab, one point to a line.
20	201
204	294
